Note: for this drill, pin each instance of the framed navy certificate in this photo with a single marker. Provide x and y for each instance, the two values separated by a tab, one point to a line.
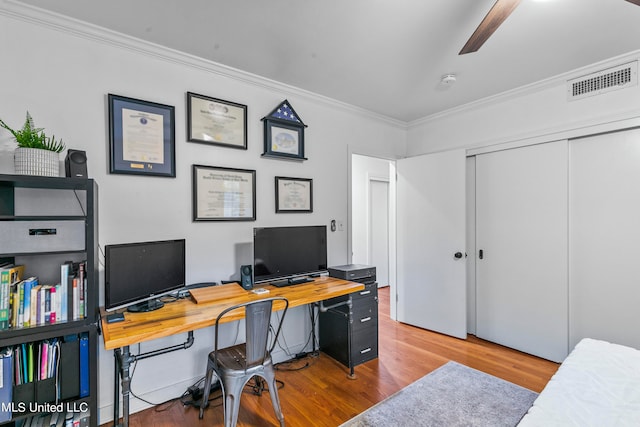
141	137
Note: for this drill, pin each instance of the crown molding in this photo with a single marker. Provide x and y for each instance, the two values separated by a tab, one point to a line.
558	80
82	29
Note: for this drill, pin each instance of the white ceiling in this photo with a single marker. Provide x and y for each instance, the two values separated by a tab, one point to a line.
386	56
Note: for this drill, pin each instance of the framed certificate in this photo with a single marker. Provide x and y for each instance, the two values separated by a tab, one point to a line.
284	140
294	194
141	137
284	133
223	194
217	122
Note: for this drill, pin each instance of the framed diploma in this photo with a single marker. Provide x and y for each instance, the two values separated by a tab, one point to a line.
217	122
142	137
294	194
223	194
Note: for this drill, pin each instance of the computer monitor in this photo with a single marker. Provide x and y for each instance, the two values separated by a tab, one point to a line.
288	252
137	274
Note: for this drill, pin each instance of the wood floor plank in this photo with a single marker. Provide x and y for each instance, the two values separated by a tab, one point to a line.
322	395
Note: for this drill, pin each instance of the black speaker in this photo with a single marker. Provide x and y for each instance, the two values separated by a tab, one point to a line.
246	277
75	164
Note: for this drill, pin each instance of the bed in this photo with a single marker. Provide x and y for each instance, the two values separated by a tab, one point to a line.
598	384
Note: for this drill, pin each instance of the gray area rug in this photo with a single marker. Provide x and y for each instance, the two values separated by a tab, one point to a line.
452	395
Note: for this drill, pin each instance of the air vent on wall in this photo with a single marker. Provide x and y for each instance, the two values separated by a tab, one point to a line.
615	78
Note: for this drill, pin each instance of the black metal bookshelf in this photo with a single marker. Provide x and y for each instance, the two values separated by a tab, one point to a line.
23	201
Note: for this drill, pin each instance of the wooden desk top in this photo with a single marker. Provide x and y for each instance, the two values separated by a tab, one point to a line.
205	304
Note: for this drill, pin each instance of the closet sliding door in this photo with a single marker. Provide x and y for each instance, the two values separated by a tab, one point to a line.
604	237
521	256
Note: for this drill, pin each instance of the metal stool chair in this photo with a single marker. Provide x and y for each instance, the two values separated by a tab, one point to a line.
236	365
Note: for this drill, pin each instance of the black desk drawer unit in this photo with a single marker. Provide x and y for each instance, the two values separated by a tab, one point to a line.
340	332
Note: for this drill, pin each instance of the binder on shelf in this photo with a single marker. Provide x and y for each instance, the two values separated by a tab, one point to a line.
84	365
25	363
69	374
6	384
30	363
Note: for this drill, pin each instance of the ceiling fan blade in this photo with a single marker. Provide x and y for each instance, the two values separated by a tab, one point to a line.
496	16
636	2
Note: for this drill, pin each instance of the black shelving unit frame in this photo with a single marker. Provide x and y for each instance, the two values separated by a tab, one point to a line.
9	202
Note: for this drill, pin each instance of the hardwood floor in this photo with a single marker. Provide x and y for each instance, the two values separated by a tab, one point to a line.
321	394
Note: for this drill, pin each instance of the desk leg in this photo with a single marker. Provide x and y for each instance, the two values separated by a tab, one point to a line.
123	361
116	387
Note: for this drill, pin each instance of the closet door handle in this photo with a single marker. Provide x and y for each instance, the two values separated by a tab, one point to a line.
481	254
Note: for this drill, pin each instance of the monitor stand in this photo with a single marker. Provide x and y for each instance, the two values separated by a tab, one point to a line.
143	307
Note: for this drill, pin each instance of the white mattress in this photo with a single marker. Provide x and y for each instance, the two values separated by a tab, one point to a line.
598	384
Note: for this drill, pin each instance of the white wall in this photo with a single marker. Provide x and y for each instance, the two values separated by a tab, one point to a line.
61	71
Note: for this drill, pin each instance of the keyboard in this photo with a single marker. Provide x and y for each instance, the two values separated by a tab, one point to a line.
289	282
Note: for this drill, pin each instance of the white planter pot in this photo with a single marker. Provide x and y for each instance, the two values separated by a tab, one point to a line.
35	161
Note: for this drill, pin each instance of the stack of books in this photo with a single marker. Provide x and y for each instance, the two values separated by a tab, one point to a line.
25	302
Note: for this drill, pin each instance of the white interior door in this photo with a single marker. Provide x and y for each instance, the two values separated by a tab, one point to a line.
379	229
604	234
431	230
521	226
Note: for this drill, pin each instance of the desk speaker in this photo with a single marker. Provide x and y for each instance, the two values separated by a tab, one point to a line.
246	277
75	164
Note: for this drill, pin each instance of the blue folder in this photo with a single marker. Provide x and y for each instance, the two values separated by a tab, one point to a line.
6	386
84	365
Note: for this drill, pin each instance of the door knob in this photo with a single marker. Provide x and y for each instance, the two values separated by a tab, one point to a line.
458	255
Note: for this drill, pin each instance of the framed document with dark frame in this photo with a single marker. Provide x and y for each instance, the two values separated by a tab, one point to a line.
141	137
284	133
223	194
216	122
294	195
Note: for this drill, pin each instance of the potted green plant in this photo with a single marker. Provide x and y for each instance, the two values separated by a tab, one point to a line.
37	153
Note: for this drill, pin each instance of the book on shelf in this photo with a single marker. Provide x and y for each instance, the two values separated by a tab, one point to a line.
35	306
24	311
9	275
82	277
19	304
77	290
65	295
